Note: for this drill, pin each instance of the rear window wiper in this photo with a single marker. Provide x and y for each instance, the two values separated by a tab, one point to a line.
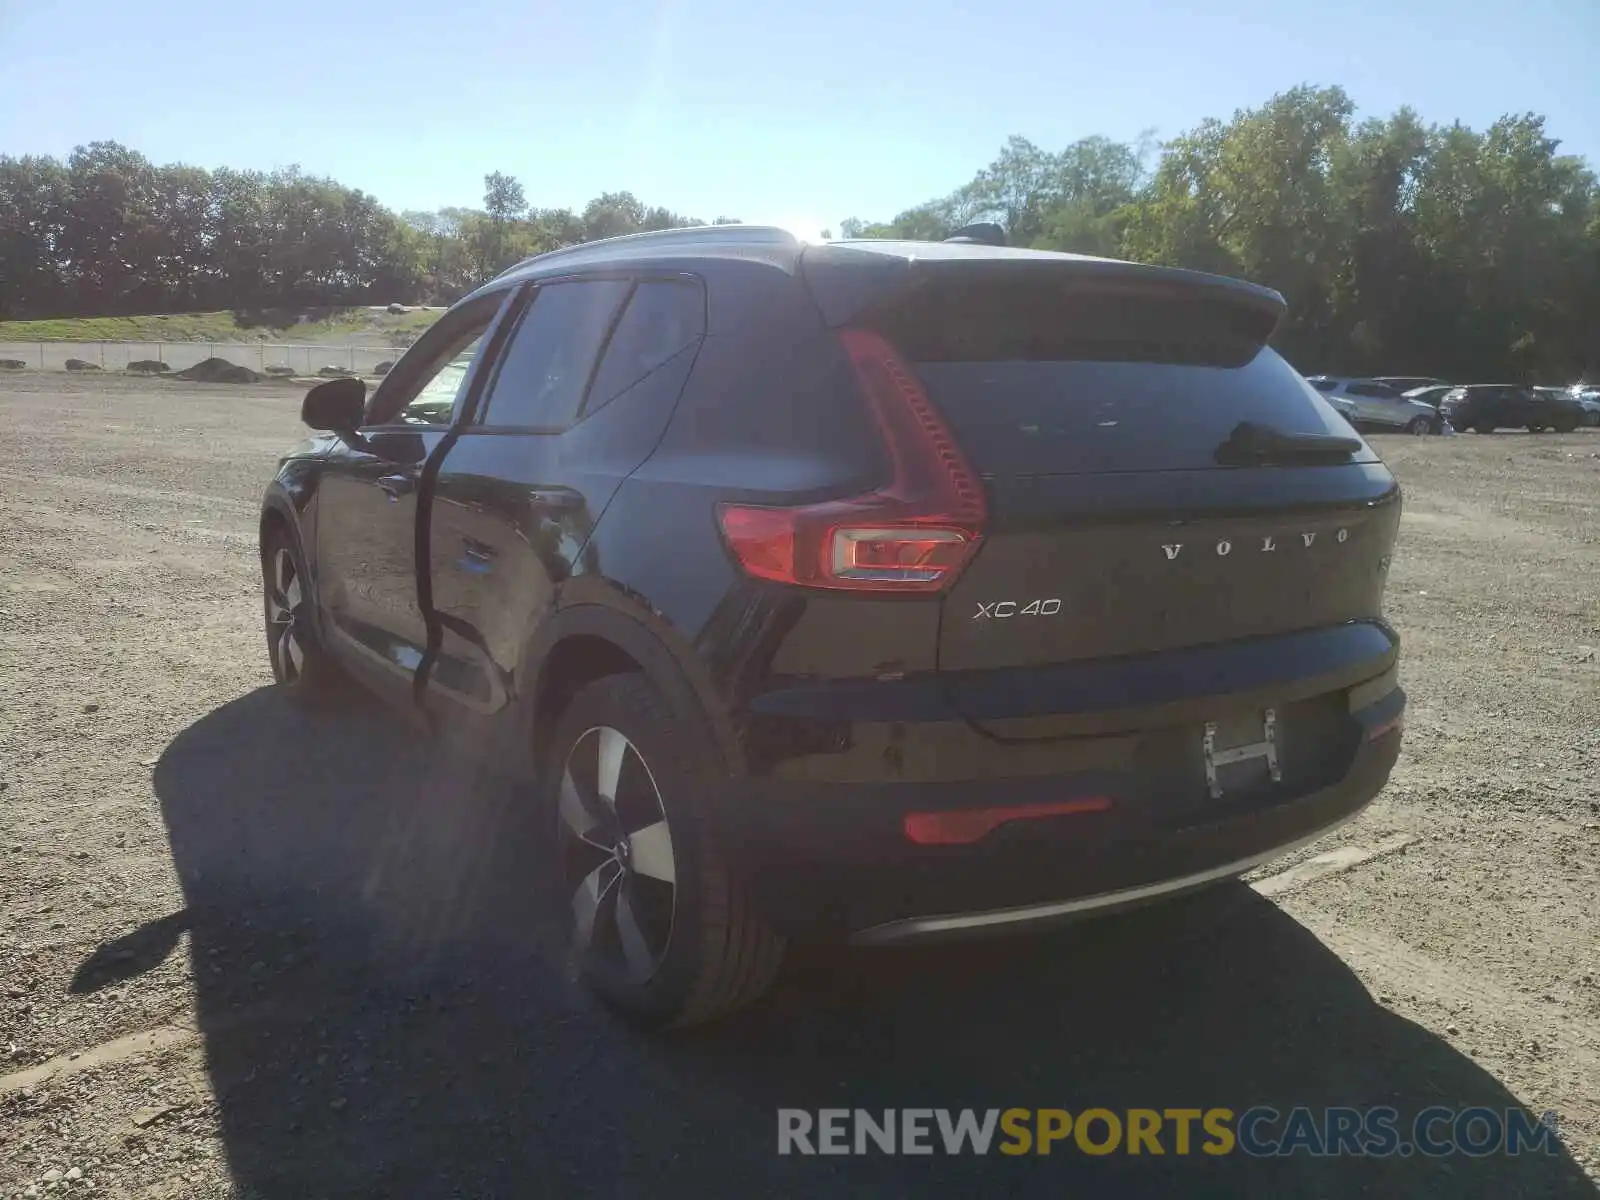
1254	443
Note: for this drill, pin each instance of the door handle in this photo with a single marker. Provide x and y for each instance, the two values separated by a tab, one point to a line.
398	485
557	499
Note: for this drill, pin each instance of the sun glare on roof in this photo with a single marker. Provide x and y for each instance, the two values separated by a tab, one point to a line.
807	229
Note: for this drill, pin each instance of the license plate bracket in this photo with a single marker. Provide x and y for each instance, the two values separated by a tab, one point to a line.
1222	756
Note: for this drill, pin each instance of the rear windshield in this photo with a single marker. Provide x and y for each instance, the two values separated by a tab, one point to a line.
1061	374
1064	417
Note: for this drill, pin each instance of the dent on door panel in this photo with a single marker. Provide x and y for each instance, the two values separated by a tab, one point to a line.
512	516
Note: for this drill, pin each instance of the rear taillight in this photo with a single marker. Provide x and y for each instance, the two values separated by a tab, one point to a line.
913	535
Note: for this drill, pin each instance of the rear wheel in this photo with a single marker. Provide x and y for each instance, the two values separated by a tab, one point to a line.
1535	427
300	665
1419	426
1484	427
658	923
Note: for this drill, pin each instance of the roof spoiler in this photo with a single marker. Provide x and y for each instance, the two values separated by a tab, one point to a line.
851	281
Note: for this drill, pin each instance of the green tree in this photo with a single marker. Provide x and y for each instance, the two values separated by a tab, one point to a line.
503	203
1400	246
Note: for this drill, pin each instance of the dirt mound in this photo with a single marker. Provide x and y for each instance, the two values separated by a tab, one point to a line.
217	370
384	367
78	364
148	366
12	364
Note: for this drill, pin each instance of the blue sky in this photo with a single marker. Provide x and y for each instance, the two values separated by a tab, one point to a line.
801	116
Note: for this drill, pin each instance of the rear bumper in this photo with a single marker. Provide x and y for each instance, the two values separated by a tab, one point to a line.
834	861
1033	916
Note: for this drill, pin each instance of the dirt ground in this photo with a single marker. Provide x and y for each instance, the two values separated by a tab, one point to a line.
247	953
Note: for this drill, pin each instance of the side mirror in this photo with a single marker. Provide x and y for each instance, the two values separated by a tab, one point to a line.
339	405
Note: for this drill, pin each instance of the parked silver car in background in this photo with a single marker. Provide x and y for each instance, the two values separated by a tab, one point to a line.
1367	402
1409	383
1432	395
1588	399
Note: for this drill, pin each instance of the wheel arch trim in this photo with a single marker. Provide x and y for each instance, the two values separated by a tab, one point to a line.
675	673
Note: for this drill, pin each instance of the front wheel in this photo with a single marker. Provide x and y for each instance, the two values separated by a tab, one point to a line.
658	923
1419	427
300	665
1535	427
1485	427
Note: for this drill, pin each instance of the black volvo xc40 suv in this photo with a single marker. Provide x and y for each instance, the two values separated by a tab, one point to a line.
874	590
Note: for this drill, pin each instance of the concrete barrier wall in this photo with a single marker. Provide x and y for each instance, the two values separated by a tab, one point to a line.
258	356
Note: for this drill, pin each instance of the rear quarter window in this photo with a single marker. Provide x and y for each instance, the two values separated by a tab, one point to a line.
662	320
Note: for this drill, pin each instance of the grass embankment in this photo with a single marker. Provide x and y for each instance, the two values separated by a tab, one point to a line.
321	325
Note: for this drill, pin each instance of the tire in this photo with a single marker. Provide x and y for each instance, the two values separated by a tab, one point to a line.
1566	426
656	922
300	665
1419	427
1535	427
1484	427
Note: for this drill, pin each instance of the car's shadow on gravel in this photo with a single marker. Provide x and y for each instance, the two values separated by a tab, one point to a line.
380	1018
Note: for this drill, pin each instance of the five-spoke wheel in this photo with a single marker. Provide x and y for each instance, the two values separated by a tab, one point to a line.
284	599
299	664
618	868
659	922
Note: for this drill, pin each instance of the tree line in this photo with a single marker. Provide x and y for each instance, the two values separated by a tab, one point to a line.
1402	247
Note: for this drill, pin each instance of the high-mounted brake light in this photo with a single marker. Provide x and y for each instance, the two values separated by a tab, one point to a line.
913	535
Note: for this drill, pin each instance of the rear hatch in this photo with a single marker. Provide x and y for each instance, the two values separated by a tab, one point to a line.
1158	478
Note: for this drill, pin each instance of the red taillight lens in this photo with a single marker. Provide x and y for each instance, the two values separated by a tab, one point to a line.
964	826
1390	726
913	535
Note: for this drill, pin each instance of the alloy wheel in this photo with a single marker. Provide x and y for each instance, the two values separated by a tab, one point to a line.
618	869
284	636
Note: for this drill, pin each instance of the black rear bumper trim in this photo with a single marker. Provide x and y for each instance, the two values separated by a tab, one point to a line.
1289	665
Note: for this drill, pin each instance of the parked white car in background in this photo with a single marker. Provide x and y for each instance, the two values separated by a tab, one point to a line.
1367	402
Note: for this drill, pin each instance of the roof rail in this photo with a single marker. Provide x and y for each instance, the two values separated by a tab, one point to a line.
753	235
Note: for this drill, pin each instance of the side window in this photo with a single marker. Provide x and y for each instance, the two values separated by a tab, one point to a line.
540	381
423	386
663	318
433	403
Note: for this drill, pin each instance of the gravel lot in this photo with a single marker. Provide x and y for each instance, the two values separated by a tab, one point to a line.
244	953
